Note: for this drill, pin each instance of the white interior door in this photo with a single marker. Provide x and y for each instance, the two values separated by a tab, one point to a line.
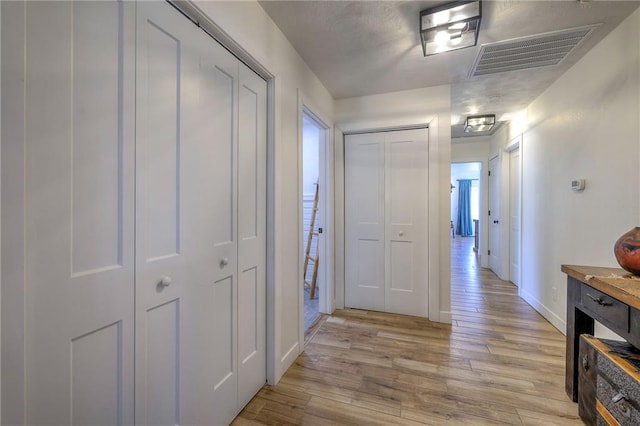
494	212
514	213
172	281
365	221
187	186
386	181
79	260
406	183
148	134
252	204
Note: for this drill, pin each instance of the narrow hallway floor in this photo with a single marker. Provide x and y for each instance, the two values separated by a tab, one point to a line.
499	362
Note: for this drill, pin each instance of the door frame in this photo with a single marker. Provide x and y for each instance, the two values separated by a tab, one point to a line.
384	297
326	293
483	240
514	144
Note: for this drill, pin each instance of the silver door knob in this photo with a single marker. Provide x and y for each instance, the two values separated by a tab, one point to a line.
401	233
165	282
224	262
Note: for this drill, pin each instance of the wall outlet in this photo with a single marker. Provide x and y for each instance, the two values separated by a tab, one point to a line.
554	294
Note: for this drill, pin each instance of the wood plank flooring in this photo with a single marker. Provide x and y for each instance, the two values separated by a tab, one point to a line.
499	362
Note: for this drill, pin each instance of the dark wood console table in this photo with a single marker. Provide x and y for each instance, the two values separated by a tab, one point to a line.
607	295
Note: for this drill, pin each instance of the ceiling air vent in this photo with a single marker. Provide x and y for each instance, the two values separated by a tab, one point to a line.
529	52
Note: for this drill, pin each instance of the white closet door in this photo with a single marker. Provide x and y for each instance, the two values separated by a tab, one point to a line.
186	353
406	189
252	203
365	221
79	152
386	196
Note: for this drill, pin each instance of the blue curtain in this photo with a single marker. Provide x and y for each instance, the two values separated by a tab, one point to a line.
463	225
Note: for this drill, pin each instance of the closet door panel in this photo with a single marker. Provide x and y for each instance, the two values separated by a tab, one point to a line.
96	152
364	220
163	64
95	376
252	200
218	95
175	224
406	222
161	171
79	151
202	270
162	346
216	204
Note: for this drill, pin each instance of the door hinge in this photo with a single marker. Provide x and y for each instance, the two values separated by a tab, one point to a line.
489	172
489	252
489	213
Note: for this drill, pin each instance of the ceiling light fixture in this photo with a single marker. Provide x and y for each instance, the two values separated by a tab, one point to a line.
479	123
449	27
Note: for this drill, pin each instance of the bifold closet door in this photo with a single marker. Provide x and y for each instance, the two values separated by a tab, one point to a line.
200	234
186	247
141	196
364	221
79	212
252	234
386	200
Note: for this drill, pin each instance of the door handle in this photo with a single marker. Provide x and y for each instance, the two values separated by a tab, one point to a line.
165	282
401	233
495	221
224	262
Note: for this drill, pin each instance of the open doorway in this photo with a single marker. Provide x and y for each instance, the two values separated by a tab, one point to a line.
315	175
465	214
316	221
312	212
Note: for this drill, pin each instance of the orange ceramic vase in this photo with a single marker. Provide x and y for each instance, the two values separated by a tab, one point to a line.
627	251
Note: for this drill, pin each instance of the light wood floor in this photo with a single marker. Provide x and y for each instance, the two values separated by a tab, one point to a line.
499	362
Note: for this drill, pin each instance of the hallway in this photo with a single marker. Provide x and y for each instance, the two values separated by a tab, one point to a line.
499	362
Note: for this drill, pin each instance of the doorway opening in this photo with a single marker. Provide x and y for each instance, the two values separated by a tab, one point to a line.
465	215
312	217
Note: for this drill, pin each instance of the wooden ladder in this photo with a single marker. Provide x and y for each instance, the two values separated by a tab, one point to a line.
307	256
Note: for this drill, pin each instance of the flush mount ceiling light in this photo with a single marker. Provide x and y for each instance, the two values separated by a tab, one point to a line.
479	123
449	27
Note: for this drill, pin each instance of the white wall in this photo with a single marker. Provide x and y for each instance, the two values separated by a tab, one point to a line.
468	149
584	126
432	107
251	28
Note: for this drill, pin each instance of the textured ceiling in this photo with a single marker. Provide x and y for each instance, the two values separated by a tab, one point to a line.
359	48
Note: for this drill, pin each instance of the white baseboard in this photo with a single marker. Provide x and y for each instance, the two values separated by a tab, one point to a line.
287	360
549	315
445	317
